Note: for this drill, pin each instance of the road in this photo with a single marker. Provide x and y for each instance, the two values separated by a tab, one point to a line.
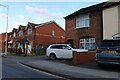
12	69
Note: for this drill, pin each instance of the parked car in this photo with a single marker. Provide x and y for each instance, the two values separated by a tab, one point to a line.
108	52
61	51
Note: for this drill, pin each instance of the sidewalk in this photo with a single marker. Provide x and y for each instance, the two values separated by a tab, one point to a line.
69	72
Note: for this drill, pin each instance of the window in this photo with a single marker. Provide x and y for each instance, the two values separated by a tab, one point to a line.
53	33
87	43
83	21
56	47
29	31
14	34
21	33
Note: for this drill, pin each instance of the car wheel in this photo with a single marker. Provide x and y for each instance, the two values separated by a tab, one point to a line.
52	56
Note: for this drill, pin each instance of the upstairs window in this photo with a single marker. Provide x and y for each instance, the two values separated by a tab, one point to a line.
21	33
29	31
82	21
53	33
14	35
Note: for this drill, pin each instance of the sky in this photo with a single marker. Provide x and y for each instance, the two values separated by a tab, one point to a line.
20	13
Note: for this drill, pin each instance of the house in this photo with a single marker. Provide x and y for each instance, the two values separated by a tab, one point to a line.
86	27
111	20
2	42
33	35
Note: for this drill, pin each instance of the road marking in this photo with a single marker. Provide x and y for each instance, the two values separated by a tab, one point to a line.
43	72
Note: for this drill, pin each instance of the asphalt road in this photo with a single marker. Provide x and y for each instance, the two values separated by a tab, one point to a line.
12	69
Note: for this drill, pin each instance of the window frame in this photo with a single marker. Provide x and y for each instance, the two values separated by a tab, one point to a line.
53	33
14	34
89	43
81	21
21	33
29	29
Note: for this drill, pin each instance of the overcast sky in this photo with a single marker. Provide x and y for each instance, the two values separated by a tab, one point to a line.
20	13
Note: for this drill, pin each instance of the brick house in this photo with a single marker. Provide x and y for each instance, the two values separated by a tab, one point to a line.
2	42
84	27
33	35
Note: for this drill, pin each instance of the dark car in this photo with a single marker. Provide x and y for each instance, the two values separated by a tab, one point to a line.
108	52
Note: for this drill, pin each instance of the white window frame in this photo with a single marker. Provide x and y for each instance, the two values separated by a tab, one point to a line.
53	33
89	41
82	20
21	33
14	35
29	31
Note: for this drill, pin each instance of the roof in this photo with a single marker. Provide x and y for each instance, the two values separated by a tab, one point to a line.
14	30
21	27
86	10
109	4
40	25
97	7
32	24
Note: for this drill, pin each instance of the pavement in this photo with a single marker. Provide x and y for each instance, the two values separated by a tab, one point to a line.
72	72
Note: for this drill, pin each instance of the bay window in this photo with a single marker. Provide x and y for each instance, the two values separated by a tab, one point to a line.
87	43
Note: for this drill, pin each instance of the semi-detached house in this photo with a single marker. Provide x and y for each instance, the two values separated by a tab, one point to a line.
86	27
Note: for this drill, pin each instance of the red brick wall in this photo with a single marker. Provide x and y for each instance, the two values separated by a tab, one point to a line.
43	34
95	29
2	42
83	57
70	30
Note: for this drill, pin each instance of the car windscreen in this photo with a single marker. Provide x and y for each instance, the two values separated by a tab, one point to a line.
111	43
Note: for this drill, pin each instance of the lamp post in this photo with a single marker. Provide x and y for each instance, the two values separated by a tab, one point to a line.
6	27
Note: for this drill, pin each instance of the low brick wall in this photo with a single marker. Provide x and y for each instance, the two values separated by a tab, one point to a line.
83	57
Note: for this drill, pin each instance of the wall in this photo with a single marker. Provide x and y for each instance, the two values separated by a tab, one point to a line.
2	42
83	57
43	34
110	22
70	30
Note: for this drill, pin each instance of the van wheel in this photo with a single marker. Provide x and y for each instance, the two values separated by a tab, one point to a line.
52	56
